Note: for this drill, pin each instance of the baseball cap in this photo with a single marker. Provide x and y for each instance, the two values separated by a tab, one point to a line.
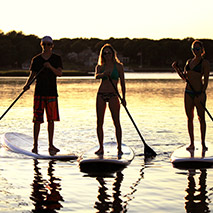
47	39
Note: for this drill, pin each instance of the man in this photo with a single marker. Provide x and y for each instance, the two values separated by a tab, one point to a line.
45	66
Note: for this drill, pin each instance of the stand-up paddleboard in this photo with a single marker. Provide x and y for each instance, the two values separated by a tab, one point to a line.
197	158
109	162
22	144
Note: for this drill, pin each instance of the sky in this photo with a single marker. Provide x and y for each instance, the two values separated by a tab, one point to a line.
153	19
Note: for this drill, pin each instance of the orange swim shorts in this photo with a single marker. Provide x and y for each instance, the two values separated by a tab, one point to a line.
50	104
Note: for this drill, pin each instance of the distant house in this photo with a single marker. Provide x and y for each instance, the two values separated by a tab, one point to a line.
123	59
93	59
73	56
88	57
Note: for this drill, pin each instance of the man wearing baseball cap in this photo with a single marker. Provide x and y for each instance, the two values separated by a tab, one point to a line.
46	66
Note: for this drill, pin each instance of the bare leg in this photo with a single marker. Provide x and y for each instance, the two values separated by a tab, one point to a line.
36	131
201	117
203	133
52	148
100	110
189	108
115	112
191	133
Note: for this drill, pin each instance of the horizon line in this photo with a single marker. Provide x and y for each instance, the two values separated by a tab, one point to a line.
124	37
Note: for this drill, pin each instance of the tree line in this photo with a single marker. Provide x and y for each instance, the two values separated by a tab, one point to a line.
17	49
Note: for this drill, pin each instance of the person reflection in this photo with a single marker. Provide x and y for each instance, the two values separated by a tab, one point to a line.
104	204
46	193
197	199
117	201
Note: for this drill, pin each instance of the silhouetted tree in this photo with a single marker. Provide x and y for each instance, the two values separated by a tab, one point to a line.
17	48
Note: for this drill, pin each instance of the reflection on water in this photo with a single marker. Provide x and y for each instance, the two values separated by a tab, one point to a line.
197	196
104	204
157	108
133	187
119	201
46	193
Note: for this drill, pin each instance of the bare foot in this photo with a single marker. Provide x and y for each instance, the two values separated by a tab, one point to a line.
35	150
191	147
53	150
99	152
120	152
205	148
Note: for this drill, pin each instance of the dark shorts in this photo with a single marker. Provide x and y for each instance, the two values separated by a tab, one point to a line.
50	104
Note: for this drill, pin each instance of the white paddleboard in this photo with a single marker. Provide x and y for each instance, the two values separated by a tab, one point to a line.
109	162
197	158
23	144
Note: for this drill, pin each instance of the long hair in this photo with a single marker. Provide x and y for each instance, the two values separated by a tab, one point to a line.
201	46
101	59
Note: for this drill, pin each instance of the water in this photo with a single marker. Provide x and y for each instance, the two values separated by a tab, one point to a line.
155	101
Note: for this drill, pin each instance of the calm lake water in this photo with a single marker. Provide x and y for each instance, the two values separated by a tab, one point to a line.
155	101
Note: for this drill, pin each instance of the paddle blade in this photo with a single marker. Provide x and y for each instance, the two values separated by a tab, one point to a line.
149	152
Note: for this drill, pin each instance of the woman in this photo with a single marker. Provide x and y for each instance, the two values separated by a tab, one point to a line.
109	67
196	71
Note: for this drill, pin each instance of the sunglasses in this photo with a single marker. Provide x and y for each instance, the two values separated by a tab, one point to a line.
107	53
47	44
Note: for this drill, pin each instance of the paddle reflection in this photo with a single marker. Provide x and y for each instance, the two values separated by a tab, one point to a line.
46	193
119	202
197	199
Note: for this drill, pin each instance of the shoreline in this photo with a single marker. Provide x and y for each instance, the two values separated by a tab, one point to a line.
81	73
22	73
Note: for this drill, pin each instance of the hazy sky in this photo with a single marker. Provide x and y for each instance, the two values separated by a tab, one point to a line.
154	19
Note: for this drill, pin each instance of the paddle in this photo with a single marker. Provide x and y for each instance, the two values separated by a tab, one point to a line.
196	94
148	152
22	92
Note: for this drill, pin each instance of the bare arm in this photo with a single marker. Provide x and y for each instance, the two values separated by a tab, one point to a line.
178	70
122	82
206	70
27	84
98	73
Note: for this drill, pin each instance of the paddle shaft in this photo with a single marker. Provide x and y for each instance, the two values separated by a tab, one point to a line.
34	78
188	82
146	146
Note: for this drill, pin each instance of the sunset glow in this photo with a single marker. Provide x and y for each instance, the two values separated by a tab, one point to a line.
104	19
